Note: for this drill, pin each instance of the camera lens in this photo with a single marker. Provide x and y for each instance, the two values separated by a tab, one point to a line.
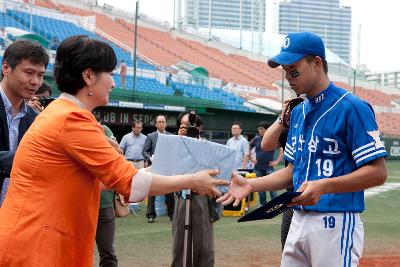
192	132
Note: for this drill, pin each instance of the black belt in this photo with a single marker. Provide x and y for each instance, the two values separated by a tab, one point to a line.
135	160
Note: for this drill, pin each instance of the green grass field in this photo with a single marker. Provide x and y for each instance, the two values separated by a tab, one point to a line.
254	243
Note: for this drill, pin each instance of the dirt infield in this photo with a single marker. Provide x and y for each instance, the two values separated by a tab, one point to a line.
381	252
253	259
274	260
269	255
380	262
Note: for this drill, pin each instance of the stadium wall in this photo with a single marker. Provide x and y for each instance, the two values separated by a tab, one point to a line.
217	122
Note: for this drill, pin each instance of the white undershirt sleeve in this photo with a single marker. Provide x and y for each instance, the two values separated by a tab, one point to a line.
140	188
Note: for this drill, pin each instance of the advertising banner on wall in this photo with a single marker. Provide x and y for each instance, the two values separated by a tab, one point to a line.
392	146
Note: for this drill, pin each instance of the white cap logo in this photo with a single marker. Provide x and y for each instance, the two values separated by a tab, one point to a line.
286	42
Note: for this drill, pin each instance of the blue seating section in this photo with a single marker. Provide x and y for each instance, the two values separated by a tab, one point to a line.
50	28
2	43
7	21
144	85
230	101
149	85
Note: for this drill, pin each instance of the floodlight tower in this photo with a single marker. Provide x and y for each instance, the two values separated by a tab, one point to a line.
358	66
240	22
179	20
359	47
31	4
135	48
209	19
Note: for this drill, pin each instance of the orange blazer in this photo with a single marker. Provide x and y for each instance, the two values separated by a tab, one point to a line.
49	216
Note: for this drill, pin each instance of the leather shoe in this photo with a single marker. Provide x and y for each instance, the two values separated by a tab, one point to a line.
150	220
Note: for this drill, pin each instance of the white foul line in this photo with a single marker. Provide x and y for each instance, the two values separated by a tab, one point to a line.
380	189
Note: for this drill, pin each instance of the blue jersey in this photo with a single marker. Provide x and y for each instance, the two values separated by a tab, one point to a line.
331	135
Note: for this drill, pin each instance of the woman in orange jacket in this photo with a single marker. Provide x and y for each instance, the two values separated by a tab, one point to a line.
49	215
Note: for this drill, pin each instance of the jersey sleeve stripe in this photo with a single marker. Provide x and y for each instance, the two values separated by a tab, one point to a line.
364	152
289	149
289	156
381	151
289	146
362	147
289	153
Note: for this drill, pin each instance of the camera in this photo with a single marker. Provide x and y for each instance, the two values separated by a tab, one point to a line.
192	130
45	101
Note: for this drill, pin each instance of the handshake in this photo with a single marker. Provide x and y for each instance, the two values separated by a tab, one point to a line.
204	183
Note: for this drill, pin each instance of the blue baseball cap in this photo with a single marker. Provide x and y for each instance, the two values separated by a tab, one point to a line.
296	46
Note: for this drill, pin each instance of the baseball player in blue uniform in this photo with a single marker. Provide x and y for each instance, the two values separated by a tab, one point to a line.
335	152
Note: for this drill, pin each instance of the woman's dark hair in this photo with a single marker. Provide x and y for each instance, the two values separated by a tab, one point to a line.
23	49
78	53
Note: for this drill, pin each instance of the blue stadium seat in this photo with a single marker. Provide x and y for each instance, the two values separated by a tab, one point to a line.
49	28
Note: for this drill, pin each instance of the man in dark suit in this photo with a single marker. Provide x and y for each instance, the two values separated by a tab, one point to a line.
148	151
23	67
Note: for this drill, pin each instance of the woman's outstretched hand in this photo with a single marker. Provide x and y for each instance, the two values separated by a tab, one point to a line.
204	183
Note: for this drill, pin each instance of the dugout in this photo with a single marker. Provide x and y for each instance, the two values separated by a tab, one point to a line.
217	122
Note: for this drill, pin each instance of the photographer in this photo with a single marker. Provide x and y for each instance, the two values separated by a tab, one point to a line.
202	216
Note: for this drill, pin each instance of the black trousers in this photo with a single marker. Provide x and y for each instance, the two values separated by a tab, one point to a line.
105	237
169	201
